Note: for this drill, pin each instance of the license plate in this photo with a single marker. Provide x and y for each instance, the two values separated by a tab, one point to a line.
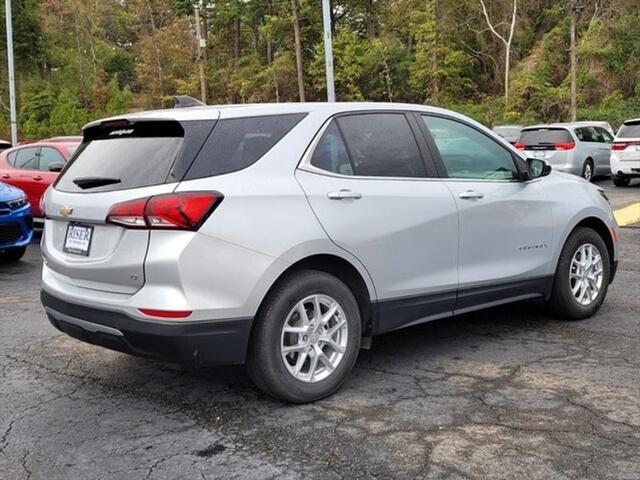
78	239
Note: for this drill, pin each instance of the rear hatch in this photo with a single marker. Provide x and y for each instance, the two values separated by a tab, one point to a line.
547	143
626	145
118	161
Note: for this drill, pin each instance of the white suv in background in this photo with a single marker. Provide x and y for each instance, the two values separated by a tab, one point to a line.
286	236
625	153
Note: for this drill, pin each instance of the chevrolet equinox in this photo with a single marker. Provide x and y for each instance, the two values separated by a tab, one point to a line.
285	236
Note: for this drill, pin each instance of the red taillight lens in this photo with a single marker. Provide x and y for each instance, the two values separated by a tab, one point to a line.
128	214
565	146
172	211
520	146
165	313
622	145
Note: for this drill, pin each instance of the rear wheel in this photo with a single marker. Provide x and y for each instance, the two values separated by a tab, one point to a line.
12	254
621	181
305	339
582	276
587	170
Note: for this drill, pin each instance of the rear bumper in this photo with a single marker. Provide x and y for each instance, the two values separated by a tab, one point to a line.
215	342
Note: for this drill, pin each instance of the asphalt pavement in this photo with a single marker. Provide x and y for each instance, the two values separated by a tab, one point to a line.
504	393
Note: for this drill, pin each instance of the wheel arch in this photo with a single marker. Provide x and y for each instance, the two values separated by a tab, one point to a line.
346	272
601	228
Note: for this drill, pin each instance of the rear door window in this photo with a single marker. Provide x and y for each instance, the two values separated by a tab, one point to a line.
237	143
544	138
376	145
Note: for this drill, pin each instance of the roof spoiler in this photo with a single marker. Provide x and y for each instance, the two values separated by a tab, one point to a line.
184	101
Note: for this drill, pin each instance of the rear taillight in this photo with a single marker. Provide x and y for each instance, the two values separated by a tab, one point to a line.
520	146
152	312
172	211
617	146
565	146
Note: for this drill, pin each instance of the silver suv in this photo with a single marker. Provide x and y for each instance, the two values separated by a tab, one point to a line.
286	236
579	148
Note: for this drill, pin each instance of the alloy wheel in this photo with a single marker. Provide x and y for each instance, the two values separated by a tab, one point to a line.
586	274
314	338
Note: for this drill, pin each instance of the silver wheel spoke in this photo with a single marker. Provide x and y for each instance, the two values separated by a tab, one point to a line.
300	362
325	360
329	333
293	348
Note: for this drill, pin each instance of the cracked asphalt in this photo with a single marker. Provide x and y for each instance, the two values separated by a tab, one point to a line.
505	393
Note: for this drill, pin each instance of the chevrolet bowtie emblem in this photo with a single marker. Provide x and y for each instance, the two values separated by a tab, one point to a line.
66	211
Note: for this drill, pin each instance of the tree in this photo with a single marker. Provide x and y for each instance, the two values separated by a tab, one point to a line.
298	47
507	40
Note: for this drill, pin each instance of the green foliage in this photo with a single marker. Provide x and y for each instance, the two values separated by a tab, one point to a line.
120	100
123	66
67	116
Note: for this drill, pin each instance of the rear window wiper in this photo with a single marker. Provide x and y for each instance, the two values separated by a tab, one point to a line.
92	182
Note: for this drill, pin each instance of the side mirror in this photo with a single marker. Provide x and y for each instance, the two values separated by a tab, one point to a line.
537	168
56	166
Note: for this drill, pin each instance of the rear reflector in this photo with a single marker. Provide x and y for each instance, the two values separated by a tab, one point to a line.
565	146
165	313
172	211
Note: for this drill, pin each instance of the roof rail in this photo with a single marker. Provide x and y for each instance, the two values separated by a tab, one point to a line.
184	101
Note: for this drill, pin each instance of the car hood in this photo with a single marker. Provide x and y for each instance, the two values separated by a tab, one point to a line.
7	192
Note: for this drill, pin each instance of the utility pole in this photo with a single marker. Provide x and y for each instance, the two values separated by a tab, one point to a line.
202	45
12	74
328	50
573	63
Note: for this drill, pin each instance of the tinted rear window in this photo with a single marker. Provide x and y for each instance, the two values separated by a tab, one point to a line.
629	130
238	143
544	136
139	155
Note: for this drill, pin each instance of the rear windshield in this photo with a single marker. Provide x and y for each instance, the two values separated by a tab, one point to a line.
132	156
629	130
544	136
119	157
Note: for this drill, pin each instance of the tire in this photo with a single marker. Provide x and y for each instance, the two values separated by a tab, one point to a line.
621	181
587	170
12	254
265	359
564	302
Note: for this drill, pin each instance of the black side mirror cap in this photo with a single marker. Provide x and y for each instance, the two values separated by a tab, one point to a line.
537	168
56	166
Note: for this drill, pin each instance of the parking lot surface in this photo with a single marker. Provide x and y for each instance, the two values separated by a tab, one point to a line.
504	393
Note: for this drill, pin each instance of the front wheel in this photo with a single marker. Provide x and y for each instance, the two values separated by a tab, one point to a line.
582	276
12	254
305	339
587	170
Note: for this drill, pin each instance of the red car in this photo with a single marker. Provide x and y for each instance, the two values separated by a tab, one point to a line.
34	166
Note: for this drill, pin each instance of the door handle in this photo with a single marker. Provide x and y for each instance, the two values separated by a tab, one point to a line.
5	176
470	194
37	177
344	194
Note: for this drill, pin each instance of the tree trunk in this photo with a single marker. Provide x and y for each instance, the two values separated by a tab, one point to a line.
156	50
573	65
298	42
435	61
371	24
507	65
236	41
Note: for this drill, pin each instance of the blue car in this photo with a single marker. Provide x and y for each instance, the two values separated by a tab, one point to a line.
16	223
